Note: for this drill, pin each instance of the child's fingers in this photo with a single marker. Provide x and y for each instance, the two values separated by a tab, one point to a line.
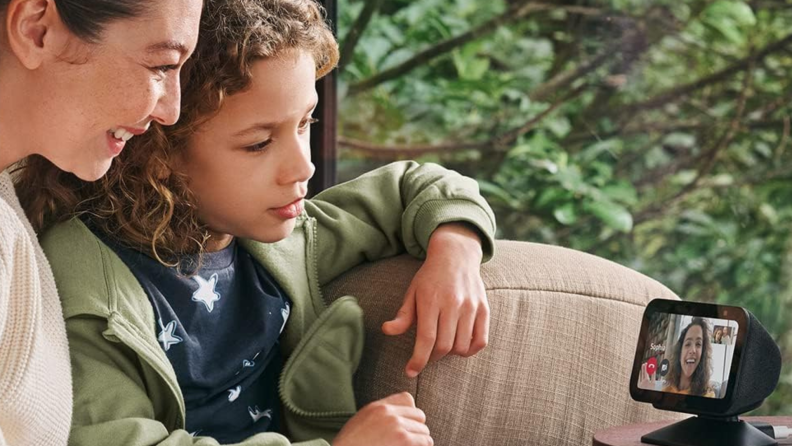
404	317
415	427
400	399
469	317
480	337
446	333
413	414
425	338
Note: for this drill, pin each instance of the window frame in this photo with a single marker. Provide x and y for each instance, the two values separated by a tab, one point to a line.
323	135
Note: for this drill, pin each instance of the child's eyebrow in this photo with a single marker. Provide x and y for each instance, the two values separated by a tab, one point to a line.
256	128
263	126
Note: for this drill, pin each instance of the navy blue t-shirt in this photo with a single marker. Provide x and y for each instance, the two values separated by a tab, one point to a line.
219	328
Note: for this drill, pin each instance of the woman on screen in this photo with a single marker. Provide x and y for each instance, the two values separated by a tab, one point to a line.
690	365
717	335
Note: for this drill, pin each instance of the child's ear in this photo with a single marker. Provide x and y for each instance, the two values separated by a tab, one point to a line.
35	31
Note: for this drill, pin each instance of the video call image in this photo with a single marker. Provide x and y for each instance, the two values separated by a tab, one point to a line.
688	355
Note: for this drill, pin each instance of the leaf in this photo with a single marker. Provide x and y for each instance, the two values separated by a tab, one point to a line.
565	214
593	151
551	196
680	140
495	191
769	213
684	177
623	192
469	66
375	48
559	126
730	18
612	214
545	165
520	149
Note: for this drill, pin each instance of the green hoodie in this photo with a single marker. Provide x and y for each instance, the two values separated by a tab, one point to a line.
125	390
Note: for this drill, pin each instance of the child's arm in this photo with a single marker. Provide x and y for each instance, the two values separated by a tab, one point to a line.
407	206
446	299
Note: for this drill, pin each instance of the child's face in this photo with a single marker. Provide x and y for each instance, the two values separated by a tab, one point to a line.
250	164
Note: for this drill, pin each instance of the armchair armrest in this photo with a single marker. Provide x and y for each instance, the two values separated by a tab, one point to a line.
564	326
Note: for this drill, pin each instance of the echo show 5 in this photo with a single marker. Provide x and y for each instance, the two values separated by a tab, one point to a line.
705	359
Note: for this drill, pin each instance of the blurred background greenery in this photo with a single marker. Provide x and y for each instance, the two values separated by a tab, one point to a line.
654	133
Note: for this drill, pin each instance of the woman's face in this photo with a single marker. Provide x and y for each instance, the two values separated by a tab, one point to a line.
691	350
87	99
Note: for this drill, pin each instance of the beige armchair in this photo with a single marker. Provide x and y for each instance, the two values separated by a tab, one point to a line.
563	331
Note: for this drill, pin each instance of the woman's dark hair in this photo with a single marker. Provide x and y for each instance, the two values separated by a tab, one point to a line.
87	18
699	382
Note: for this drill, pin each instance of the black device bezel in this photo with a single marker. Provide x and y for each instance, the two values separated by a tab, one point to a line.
690	403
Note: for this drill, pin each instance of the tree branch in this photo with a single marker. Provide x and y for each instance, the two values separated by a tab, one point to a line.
353	36
781	148
684	90
445	46
566	78
710	156
643	128
499	143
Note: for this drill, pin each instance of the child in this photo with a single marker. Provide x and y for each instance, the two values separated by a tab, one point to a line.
191	281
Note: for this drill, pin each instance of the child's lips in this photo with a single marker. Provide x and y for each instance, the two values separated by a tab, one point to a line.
291	210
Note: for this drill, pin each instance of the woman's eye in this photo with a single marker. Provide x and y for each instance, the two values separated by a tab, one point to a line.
166	68
162	70
259	147
305	123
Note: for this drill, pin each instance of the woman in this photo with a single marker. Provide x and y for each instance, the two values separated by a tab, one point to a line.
716	337
690	365
78	78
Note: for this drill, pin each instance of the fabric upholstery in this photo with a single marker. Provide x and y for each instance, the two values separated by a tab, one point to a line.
564	325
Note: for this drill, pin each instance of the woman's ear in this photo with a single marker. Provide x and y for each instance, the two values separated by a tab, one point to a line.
34	31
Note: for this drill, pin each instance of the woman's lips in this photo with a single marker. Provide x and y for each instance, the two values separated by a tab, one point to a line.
114	146
291	210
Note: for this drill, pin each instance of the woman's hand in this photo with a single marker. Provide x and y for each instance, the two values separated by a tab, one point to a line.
446	299
392	421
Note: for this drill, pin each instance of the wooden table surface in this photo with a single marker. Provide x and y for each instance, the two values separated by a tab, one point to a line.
630	435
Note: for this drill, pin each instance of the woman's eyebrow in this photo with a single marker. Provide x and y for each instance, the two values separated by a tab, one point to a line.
168	45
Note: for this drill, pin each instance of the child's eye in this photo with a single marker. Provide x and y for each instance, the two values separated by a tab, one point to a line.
305	123
258	147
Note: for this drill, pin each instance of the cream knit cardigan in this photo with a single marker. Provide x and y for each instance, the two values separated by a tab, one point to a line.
35	375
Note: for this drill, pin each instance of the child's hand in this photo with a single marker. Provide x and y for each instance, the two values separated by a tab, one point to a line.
391	421
446	299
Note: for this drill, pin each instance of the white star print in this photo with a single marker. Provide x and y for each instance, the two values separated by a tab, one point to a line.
206	293
167	337
285	313
258	414
233	394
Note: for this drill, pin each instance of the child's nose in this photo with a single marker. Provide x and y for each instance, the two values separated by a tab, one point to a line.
298	168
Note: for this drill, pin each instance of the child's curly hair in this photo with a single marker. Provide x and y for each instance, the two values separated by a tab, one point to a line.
142	202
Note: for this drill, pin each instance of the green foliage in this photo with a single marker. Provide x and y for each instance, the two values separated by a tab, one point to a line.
666	147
